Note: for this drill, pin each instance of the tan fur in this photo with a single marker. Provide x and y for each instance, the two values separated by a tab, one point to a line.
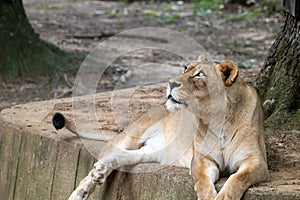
214	122
236	146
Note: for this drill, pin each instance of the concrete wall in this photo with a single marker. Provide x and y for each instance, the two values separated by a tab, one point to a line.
35	166
39	163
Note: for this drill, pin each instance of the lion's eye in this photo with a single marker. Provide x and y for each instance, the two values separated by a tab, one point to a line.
200	74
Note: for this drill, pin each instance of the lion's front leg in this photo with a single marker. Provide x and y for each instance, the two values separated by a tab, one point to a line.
205	173
248	174
121	151
105	166
84	189
87	185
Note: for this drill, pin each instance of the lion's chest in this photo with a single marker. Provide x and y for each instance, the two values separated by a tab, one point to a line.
170	140
214	145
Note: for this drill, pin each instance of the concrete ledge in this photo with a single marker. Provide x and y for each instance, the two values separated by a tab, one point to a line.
38	163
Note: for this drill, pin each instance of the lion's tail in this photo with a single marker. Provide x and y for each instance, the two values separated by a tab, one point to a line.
59	121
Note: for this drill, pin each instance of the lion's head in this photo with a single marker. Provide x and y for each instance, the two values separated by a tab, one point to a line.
199	82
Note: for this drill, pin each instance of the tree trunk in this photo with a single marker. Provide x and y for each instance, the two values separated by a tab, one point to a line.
21	50
279	82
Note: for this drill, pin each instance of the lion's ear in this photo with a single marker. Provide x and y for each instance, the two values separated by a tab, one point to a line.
201	58
229	72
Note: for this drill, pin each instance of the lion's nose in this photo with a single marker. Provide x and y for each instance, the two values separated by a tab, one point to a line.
174	85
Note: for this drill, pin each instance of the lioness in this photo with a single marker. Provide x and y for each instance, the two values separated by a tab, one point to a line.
213	125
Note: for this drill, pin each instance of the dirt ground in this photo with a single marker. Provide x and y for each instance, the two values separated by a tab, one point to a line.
79	26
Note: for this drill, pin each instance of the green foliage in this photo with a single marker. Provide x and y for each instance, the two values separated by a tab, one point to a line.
164	17
204	6
271	6
150	13
113	13
170	17
251	14
167	12
167	6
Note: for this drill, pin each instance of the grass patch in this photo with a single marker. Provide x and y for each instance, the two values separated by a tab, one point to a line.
113	13
205	6
170	17
167	6
238	16
46	6
150	13
164	17
251	15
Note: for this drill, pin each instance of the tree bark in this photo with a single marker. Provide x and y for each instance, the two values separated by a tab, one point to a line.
21	50
279	82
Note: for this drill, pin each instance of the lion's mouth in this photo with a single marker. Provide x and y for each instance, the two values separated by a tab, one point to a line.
174	104
170	97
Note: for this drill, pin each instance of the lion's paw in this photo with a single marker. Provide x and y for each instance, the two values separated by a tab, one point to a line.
99	172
